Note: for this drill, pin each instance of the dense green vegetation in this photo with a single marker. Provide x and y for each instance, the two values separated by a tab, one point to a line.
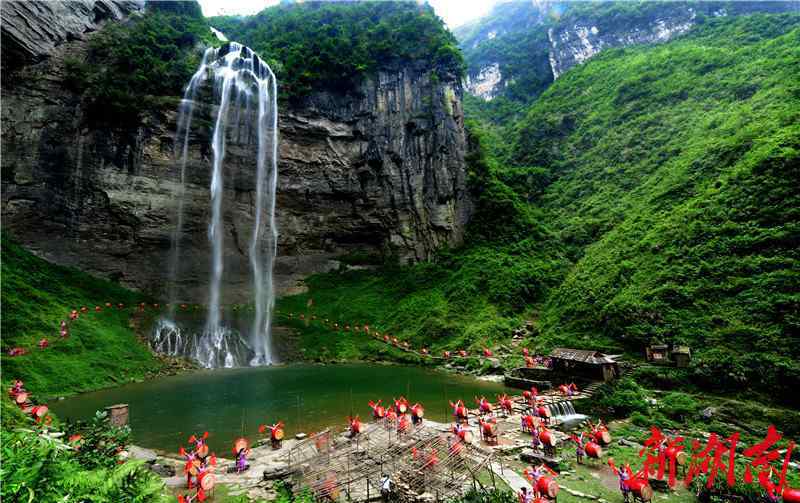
648	195
327	45
516	37
133	67
673	185
37	467
101	350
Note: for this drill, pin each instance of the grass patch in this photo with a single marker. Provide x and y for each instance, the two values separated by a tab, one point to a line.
102	348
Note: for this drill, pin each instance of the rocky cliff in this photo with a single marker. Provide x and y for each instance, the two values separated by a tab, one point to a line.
31	30
583	33
378	170
521	47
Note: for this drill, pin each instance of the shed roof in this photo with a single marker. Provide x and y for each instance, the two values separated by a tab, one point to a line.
581	355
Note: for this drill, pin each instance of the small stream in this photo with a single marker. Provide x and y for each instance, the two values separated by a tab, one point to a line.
233	402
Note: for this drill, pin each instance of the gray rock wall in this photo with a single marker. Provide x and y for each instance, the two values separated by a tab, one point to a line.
377	171
32	29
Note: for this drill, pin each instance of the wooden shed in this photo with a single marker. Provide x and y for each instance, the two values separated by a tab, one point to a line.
682	356
657	353
584	363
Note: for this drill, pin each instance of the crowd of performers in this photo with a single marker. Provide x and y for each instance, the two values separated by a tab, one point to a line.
399	415
199	469
200	464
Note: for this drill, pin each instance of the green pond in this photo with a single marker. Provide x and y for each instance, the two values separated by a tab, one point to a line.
231	403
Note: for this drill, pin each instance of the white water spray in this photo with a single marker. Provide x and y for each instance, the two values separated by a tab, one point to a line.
185	114
239	77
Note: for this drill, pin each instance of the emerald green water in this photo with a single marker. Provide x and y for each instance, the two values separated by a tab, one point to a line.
229	403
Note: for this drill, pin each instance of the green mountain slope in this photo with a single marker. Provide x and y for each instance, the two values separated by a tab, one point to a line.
525	41
675	172
650	194
101	350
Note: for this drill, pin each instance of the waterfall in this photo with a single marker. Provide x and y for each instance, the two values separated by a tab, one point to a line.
564	412
225	348
185	113
239	77
264	293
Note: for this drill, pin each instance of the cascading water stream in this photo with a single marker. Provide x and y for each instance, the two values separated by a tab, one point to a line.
185	114
564	412
239	77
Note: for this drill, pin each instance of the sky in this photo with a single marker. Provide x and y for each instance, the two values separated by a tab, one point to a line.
454	12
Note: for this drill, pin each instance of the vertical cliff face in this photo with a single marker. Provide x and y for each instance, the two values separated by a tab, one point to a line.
385	161
31	30
526	45
581	35
378	170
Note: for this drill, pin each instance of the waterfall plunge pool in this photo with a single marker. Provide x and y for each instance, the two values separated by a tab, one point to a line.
233	402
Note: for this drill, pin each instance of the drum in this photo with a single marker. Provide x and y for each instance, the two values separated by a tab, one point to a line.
21	398
547	438
194	467
593	450
641	488
206	481
277	434
680	457
39	410
547	486
791	495
487	430
602	437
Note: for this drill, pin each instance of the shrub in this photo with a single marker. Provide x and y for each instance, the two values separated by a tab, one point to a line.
621	399
679	406
101	442
663	377
490	496
131	65
333	45
45	469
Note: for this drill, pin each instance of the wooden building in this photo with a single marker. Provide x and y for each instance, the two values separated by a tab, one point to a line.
682	356
657	353
585	363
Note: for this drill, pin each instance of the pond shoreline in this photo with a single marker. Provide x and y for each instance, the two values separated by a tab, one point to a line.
306	396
